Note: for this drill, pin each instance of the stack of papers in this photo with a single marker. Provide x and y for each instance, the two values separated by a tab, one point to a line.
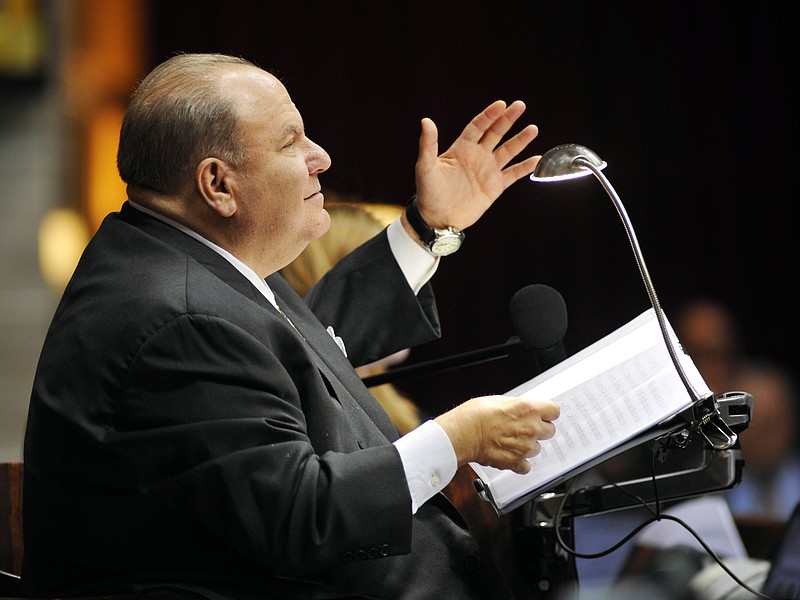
609	393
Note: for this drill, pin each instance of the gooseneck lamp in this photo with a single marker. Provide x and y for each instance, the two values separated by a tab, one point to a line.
571	161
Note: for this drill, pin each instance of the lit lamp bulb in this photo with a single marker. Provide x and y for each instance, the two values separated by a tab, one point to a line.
568	161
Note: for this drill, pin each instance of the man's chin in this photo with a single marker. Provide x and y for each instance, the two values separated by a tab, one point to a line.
323	224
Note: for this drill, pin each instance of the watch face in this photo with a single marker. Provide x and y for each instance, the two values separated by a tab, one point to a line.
446	243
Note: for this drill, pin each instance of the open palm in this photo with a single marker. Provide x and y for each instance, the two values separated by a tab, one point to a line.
455	188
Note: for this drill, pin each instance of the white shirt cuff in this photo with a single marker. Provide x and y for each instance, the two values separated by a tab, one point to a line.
428	460
417	264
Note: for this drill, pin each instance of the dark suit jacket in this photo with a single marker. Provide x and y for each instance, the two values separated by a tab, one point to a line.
183	434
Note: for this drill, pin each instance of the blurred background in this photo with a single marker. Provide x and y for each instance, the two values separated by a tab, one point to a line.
693	106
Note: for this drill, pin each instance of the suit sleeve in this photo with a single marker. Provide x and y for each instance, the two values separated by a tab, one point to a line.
368	301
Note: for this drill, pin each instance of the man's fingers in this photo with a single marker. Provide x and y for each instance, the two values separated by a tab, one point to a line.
428	144
477	127
502	124
519	170
522	467
550	411
510	149
534	450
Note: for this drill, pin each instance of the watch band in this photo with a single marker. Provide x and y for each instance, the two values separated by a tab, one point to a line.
439	242
425	232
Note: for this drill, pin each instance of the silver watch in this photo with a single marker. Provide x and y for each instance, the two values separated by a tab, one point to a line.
440	242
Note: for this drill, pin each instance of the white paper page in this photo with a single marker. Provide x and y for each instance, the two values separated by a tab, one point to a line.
608	393
711	519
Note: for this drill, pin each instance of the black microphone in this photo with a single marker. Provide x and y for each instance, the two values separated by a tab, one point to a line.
539	317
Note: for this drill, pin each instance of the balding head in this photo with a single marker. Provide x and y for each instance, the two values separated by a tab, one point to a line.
177	116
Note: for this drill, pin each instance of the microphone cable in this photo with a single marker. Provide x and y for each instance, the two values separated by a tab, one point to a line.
657	515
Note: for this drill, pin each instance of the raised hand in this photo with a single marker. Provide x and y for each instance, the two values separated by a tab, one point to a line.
455	188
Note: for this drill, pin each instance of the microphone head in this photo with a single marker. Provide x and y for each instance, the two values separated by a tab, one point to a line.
539	316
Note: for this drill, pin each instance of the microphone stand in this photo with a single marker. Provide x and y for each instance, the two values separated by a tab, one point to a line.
511	348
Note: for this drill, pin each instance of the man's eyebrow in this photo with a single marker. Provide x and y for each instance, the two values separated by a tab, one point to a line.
293	129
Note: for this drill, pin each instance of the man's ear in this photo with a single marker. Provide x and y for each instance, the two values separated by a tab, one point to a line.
213	179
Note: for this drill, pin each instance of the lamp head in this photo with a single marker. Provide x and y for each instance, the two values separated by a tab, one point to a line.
564	162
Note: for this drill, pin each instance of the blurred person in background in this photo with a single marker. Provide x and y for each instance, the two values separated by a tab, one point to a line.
710	334
770	486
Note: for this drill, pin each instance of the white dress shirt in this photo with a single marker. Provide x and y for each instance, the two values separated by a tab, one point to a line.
428	457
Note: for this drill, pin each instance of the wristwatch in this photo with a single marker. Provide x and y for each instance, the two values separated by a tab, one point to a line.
440	242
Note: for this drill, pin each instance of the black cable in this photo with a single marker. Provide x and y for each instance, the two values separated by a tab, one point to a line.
636	497
605	552
657	516
655	485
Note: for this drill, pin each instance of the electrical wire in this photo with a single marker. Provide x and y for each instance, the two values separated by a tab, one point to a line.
657	515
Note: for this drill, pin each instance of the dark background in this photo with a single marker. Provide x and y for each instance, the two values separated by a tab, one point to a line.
693	106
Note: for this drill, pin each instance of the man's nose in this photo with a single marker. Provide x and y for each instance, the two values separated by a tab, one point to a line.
317	159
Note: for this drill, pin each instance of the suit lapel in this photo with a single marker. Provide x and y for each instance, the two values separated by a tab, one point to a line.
353	395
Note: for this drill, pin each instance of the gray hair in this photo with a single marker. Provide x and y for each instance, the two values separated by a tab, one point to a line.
178	116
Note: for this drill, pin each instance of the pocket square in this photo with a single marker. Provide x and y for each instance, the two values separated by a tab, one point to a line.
338	340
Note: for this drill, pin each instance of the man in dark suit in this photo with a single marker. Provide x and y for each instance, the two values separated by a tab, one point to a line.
196	427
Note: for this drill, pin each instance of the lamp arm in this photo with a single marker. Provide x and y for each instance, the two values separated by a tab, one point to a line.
648	283
569	161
